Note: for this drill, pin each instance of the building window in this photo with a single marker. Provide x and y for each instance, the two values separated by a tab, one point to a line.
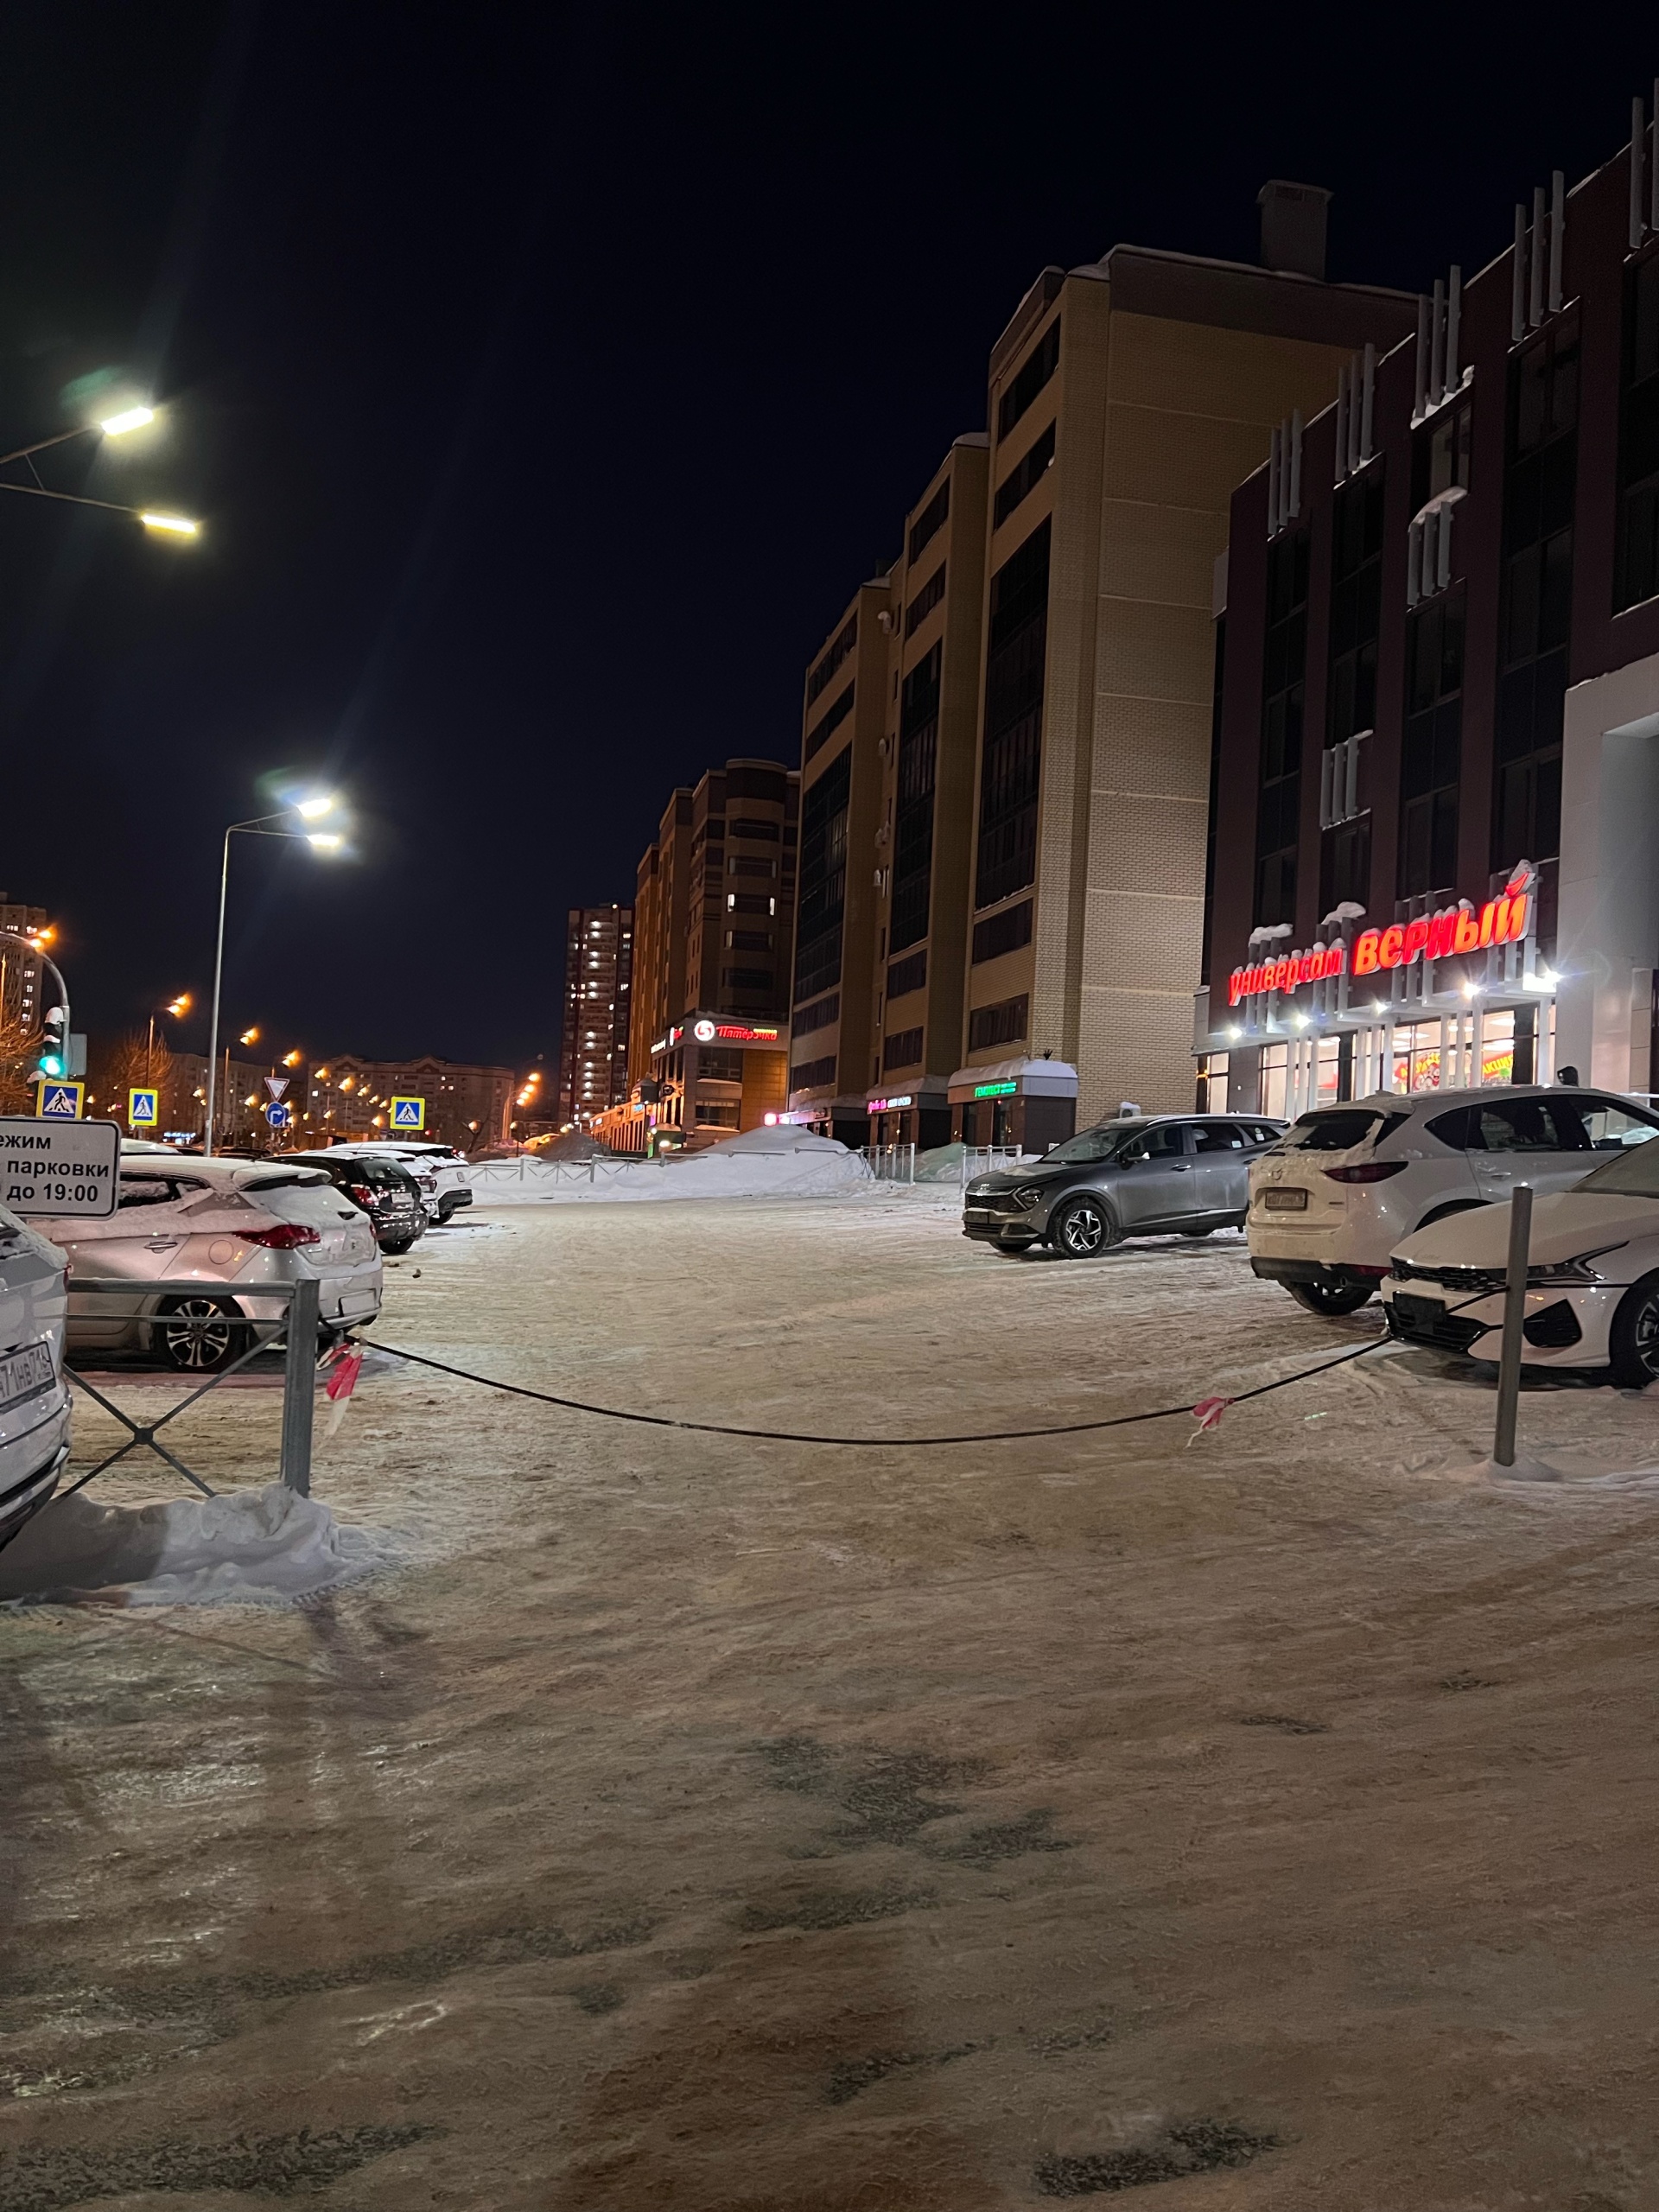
749	940
932	519
718	1066
1025	475
1345	863
912	850
827	722
907	975
753	829
1003	932
1432	757
1283	692
824	879
747	979
749	864
1005	1023
825	674
1540	480
924	601
809	1018
1006	859
1355	605
1636	571
1039	366
903	1050
812	1075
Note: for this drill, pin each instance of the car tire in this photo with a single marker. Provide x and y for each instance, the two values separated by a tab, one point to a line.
1633	1340
399	1244
1445	1213
199	1335
1084	1229
1330	1301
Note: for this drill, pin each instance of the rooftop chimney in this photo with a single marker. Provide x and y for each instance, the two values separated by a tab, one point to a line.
1293	226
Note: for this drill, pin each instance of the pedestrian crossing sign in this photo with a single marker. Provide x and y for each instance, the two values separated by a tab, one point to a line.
144	1108
409	1113
60	1102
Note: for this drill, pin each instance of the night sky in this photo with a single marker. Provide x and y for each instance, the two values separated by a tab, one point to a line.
546	381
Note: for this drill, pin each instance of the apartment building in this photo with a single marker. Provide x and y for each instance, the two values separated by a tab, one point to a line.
594	1048
1437	798
1127	398
20	969
466	1105
713	949
845	718
662	899
924	834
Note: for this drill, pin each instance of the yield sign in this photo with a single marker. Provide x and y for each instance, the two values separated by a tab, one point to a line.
276	1084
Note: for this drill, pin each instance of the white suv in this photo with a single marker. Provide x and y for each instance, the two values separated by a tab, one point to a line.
1330	1202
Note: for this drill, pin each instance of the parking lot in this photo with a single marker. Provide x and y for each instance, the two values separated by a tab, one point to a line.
1263	1817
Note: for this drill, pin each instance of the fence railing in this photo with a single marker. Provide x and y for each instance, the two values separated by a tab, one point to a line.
493	1174
985	1159
891	1163
298	1330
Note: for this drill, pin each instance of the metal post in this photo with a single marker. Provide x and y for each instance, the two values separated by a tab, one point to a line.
213	1026
1514	1312
300	1384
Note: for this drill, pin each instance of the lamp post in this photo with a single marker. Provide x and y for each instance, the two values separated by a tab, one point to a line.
37	951
321	841
112	426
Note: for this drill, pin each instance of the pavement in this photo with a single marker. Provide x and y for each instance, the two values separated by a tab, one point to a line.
1263	1818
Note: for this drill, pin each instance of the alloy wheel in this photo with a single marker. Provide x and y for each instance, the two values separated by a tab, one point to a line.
198	1335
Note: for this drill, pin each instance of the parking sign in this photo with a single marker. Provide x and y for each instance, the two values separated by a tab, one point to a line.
409	1113
70	1170
144	1108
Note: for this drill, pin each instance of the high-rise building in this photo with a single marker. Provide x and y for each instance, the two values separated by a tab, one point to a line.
20	969
598	973
1437	797
1061	851
843	727
924	837
713	916
1128	397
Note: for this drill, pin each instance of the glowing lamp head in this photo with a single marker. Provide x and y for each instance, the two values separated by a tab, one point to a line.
130	418
313	808
172	526
324	840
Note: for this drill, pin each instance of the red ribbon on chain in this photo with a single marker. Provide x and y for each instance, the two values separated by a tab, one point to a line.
1207	1414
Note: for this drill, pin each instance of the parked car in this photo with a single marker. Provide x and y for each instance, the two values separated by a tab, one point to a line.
386	1191
1143	1176
238	1228
441	1171
34	1396
1593	1277
1329	1206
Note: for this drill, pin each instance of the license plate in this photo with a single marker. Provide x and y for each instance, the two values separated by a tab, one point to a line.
1419	1313
1285	1201
22	1373
977	1213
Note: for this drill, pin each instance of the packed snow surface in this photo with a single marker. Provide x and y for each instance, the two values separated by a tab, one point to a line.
255	1548
782	1162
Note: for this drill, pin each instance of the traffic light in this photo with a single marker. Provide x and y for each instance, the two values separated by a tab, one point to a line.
54	1046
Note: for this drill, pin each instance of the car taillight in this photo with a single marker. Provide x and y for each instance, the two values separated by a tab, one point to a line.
1366	1171
282	1238
364	1196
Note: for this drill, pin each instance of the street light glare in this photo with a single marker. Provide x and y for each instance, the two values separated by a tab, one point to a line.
315	808
131	418
181	525
325	841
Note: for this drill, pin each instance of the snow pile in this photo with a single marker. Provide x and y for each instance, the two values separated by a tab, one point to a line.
783	1161
256	1548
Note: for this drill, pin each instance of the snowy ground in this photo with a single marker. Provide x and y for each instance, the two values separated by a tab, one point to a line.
698	1826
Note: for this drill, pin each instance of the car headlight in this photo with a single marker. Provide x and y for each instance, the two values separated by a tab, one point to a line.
1579	1270
1027	1198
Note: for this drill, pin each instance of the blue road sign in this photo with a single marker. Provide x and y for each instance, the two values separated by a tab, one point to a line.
277	1116
144	1108
60	1102
409	1113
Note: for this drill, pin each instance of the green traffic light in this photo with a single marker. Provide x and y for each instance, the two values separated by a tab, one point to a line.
51	1065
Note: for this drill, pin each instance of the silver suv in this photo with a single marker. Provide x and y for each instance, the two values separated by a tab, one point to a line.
1148	1175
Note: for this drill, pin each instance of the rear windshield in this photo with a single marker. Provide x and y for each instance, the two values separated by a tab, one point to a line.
1339	1129
288	1182
1633	1173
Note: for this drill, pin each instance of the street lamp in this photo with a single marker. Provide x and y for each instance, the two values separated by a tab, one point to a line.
313	808
112	426
35	946
178	1008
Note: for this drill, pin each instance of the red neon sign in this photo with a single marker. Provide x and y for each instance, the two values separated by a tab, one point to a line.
1454	931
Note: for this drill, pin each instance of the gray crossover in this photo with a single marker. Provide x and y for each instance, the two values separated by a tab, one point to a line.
1142	1177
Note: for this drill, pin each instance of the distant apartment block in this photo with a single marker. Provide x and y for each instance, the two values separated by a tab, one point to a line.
598	976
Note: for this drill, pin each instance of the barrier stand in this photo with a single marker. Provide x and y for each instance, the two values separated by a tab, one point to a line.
1514	1313
299	1326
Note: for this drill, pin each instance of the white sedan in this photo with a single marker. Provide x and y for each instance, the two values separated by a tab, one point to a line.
1593	1276
34	1396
